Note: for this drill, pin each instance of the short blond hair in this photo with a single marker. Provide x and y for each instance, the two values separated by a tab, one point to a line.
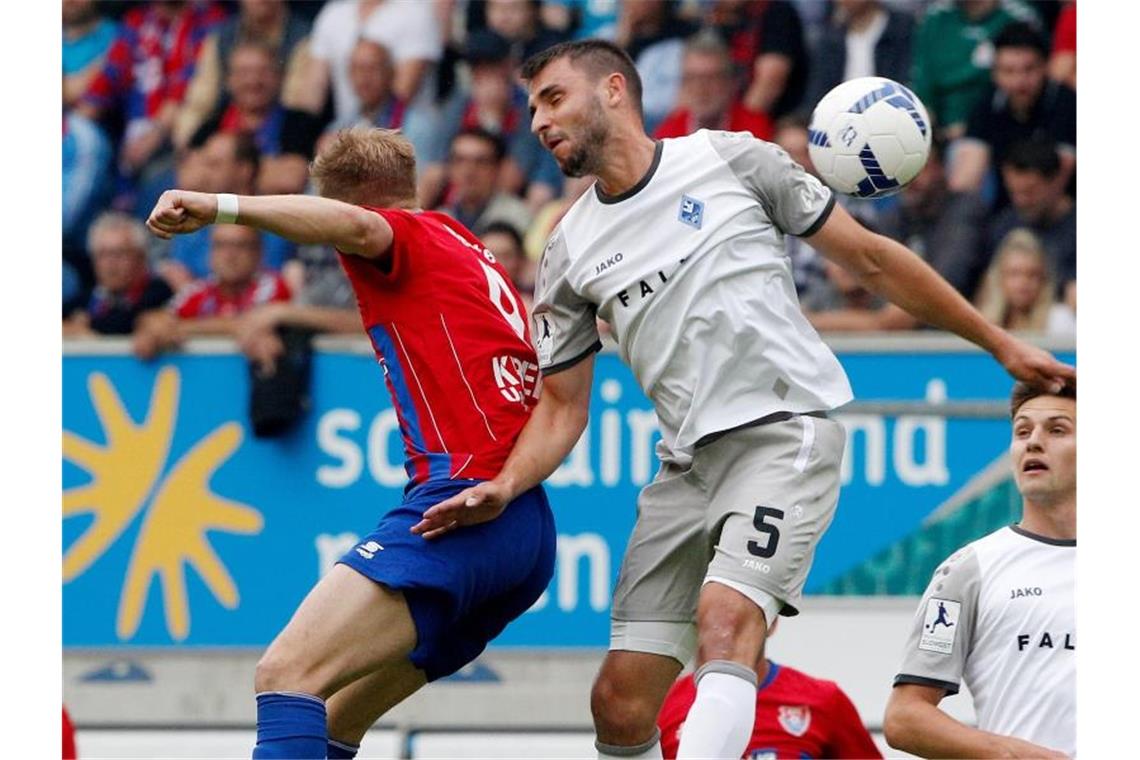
367	165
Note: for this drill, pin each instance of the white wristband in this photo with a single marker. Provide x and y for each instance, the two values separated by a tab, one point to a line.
227	208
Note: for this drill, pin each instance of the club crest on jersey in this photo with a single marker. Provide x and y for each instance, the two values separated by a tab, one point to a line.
795	719
692	212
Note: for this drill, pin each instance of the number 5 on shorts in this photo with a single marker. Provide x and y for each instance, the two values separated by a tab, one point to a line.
773	533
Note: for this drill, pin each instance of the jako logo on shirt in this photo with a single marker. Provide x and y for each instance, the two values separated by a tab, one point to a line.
517	379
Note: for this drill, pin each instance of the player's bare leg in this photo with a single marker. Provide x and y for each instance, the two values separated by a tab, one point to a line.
347	627
626	698
731	630
355	708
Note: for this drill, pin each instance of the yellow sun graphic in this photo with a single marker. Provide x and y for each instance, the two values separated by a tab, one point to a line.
124	473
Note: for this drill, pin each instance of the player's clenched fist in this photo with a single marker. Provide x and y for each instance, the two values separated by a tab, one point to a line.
181	211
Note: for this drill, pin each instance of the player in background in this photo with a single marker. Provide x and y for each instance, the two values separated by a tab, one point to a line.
679	246
1011	598
796	716
451	336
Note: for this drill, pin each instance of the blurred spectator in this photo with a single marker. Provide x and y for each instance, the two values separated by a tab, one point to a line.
227	163
146	73
808	271
1023	104
409	30
212	306
87	183
269	22
473	167
549	215
1039	204
1018	291
371	72
707	99
654	36
496	103
1063	61
947	229
844	305
519	23
505	241
766	42
582	18
86	39
124	287
285	137
865	39
953	54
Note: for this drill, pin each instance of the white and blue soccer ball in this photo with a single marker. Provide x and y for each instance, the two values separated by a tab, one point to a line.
869	137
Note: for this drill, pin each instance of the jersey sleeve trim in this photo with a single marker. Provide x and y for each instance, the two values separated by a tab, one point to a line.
949	687
821	219
555	368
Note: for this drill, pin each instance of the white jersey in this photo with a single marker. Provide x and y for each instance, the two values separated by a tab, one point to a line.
1000	614
689	269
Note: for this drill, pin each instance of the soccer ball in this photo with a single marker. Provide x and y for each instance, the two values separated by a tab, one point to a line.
869	137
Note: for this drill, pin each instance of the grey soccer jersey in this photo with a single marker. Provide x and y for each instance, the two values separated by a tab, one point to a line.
689	269
1000	615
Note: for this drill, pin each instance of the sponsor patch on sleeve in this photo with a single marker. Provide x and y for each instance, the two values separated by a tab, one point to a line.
544	340
940	625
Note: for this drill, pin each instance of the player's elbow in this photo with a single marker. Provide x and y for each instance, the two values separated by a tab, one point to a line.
901	722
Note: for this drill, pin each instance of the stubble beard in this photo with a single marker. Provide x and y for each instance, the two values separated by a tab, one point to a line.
587	156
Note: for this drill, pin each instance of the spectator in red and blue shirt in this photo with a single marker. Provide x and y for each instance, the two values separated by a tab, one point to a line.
146	74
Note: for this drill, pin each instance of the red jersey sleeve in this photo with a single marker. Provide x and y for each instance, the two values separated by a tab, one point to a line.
848	736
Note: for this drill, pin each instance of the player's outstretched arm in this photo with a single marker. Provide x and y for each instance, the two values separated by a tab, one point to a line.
913	723
548	436
893	271
304	219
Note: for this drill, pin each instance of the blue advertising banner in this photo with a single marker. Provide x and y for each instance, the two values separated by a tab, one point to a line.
182	529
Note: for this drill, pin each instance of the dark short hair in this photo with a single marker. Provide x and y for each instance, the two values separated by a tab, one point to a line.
598	57
1035	155
1023	392
479	133
1021	35
505	228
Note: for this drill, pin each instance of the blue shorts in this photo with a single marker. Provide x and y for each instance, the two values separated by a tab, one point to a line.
465	586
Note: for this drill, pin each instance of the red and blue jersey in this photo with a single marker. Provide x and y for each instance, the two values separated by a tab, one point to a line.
797	716
453	338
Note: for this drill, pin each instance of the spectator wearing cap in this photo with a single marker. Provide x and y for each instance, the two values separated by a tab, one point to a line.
707	97
497	104
1023	104
1038	203
473	165
766	42
124	286
654	36
212	306
864	39
87	37
952	55
269	22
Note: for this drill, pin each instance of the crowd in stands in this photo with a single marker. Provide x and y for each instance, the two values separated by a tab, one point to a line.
238	97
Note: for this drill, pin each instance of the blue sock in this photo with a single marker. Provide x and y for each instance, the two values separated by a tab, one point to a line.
341	750
290	725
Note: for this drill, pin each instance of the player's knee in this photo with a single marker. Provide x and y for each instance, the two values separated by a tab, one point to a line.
281	670
731	629
622	715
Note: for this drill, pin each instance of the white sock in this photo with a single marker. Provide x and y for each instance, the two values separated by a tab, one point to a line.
719	723
650	750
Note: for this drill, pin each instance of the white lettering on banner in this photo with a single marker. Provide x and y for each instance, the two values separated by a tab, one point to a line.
384	471
932	470
345	450
578	470
571	550
330	548
611	434
575	470
642	428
